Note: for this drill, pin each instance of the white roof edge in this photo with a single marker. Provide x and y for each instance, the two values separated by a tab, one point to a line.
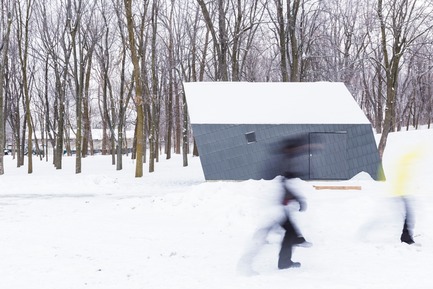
272	103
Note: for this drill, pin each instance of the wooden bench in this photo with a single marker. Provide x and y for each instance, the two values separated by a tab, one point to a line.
336	187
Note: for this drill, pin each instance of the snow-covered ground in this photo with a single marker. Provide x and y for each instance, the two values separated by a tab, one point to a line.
171	229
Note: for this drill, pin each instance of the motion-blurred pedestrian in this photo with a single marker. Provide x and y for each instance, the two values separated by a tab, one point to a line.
401	187
294	149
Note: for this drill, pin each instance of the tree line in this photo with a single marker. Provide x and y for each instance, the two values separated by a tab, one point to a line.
68	66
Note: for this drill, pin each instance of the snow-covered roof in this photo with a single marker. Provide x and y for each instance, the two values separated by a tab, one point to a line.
272	103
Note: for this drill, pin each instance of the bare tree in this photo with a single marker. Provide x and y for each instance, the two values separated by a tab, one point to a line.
13	101
56	43
416	75
49	75
154	94
4	50
91	37
296	27
401	23
108	103
78	73
193	67
23	30
125	93
219	37
169	23
138	88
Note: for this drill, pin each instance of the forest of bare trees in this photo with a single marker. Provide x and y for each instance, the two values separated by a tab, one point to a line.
70	66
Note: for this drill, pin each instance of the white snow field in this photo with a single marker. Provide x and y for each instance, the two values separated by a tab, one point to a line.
171	229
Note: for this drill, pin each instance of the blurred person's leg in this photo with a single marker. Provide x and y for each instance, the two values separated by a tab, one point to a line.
407	232
290	238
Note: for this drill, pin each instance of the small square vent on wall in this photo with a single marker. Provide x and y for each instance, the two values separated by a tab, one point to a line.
251	137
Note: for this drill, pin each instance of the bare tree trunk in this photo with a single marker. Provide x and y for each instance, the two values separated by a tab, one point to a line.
61	122
112	123
23	50
107	91
47	112
17	130
185	137
79	81
123	103
4	62
223	40
86	110
292	14
178	123
282	41
169	107
154	96
61	83
391	65
37	150
23	140
220	41
138	89
429	106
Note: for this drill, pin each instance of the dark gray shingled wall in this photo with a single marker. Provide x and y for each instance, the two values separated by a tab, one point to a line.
249	151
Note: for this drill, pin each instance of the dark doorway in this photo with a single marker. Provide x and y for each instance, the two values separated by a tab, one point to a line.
329	162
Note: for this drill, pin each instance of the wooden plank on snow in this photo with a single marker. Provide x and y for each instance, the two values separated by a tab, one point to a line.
336	187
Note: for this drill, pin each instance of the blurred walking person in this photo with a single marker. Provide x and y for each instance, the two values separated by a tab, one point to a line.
401	187
292	152
292	235
296	151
